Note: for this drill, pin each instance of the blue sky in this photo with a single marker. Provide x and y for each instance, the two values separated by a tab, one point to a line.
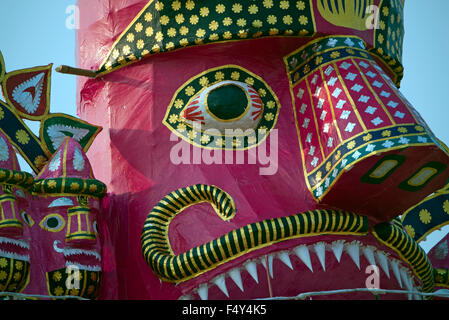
34	33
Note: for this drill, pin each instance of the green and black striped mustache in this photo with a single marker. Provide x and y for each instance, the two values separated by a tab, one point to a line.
178	268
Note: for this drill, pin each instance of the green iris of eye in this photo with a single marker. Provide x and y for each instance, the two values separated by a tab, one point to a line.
227	102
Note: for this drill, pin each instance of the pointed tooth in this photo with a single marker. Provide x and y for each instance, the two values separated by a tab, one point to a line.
320	250
368	252
337	249
302	252
203	291
220	282
383	262
353	250
235	275
251	267
270	264
395	268
284	257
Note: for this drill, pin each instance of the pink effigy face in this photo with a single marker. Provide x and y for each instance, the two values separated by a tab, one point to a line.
67	245
256	168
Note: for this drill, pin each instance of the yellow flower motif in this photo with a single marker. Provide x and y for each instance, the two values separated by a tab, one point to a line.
249	81
287	20
59	291
183	42
204	81
171	32
368	137
183	30
200	33
194	19
235	75
173	118
269	117
176	5
181	127
253	9
149	31
164	20
385	11
93	188
220	8
402	130
213	25
74	292
205	139
306	68
51	184
268	3
40	161
425	216
419	128
300	5
328	166
446	206
318	60
219	76
159	36
17	176
241	22
2	114
140	44
17	276
57	276
227	35
148	17
410	231
271	19
351	145
190	5
350	51
237	143
262	92
204	12
190	91
257	23
303	20
284	5
303	32
227	21
192	134
271	104
219	142
138	27
22	136
237	8
3	262
386	133
381	38
382	25
74	186
213	37
318	176
179	18
3	275
262	130
335	55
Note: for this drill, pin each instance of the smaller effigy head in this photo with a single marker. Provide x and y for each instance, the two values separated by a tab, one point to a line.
66	212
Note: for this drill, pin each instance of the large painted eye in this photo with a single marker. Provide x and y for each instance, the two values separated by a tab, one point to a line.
53	223
223	108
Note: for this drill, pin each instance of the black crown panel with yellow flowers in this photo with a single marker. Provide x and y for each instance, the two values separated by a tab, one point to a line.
163	26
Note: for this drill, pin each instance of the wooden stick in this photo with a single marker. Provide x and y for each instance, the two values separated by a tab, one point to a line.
76	71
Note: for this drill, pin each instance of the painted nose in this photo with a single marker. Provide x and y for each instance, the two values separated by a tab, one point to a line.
10	223
80	230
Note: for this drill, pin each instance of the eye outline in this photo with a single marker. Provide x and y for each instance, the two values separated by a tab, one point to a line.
31	221
181	98
61	224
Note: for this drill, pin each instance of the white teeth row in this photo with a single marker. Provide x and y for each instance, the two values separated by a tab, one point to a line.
20	243
354	249
73	266
70	252
11	255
